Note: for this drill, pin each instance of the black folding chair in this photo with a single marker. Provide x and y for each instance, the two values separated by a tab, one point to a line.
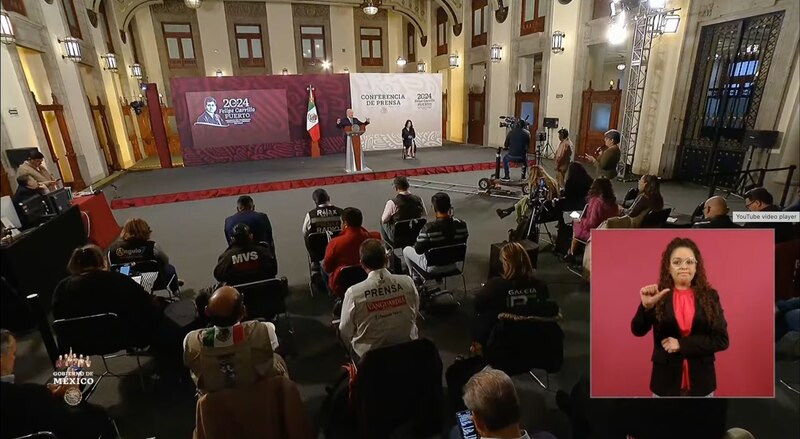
405	234
316	244
98	334
656	219
39	435
446	261
348	276
521	344
265	299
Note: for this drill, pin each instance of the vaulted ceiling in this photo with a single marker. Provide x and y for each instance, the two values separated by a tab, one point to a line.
415	10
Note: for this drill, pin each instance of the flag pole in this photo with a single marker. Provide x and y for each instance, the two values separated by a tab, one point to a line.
314	143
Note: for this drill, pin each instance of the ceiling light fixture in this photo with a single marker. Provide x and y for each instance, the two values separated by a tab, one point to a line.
370	7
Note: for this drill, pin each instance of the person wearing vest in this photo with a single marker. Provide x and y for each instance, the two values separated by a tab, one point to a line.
380	311
404	206
325	217
232	353
245	261
134	245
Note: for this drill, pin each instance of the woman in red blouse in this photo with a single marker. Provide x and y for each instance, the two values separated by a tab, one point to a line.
688	324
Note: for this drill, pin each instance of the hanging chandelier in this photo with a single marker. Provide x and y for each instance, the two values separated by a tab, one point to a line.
370	7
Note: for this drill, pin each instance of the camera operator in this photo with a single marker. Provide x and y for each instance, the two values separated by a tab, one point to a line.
517	143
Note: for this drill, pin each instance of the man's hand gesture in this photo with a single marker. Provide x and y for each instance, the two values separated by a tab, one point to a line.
651	296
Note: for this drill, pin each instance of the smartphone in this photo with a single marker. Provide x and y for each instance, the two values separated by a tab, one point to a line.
125	269
465	424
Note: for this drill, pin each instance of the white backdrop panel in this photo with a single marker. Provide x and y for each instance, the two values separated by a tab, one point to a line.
389	99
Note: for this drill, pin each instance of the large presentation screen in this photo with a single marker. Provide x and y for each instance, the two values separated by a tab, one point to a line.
238	117
389	99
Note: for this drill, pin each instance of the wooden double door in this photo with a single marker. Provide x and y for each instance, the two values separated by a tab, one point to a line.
599	113
526	107
477	117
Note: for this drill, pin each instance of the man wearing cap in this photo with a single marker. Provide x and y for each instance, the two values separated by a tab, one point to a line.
245	261
257	221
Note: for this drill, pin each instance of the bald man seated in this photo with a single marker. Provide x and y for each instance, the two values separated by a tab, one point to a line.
715	215
232	353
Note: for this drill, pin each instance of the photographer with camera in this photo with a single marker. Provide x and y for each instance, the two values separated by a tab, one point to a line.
517	142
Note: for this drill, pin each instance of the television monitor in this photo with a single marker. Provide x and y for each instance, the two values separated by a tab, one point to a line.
32	211
58	201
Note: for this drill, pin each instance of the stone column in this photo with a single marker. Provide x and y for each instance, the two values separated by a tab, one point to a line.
498	75
561	67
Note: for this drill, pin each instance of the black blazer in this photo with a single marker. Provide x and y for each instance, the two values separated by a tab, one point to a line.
698	348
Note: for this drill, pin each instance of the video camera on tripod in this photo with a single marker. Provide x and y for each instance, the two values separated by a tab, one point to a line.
512	121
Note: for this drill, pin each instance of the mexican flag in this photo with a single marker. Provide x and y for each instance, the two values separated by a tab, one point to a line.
312	118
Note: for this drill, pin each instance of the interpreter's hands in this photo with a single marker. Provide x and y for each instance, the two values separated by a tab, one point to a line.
671	345
651	296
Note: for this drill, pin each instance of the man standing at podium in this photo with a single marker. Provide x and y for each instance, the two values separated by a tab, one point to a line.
350	120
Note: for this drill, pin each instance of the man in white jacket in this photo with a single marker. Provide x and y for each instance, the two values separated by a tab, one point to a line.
382	310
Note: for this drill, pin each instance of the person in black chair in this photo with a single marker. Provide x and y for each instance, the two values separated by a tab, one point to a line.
517	143
648	200
92	289
27	187
715	215
575	192
257	221
515	292
326	217
446	230
760	200
404	206
245	261
135	246
30	408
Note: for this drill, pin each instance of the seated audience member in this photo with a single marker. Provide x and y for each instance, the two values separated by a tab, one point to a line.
760	200
92	289
516	291
134	245
325	217
648	200
576	189
34	166
245	261
382	310
404	206
521	207
232	353
715	215
30	408
493	400
26	188
602	206
257	221
445	230
343	250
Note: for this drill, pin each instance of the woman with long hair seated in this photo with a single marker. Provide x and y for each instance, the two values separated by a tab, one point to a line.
648	200
516	291
92	289
576	188
521	207
602	205
135	246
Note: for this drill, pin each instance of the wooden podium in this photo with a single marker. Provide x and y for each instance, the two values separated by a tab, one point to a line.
355	155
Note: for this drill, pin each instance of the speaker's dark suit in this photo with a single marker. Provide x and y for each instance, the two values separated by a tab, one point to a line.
698	348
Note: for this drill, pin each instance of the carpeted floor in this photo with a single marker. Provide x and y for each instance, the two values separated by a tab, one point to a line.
192	234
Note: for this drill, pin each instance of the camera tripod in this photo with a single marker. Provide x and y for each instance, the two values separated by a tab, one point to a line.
546	150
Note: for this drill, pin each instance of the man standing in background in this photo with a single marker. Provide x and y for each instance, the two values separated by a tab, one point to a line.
563	156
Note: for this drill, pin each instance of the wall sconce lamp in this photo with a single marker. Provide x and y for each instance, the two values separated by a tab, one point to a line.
346	70
401	62
558	42
621	66
326	65
285	71
495	53
219	73
6	29
669	23
111	62
136	71
421	67
72	49
454	60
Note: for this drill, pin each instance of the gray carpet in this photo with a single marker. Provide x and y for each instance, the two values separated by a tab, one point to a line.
192	234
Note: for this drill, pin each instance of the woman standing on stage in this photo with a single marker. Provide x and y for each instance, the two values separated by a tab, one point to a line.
408	140
688	324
